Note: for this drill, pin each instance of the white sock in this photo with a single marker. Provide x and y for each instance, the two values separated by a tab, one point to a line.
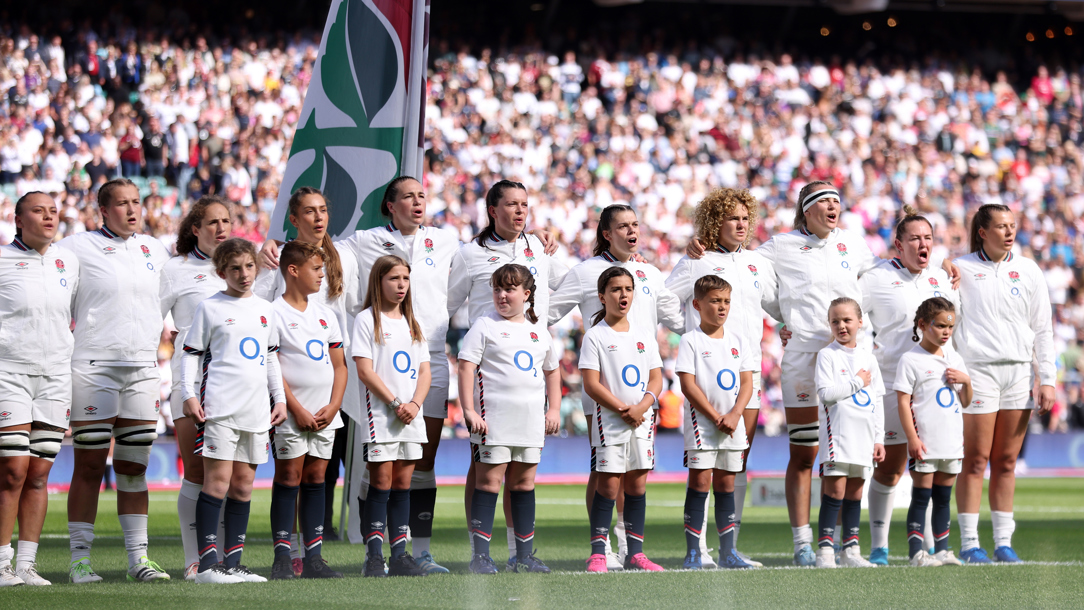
880	497
704	527
6	555
470	536
186	512
510	532
135	537
928	541
81	536
803	535
419	546
836	535
741	484
1004	526
969	530
28	554
619	531
295	548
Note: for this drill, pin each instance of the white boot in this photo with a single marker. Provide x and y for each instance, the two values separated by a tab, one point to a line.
852	558
922	559
826	557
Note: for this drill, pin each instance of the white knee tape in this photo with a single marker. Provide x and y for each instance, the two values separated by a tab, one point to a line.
14	444
804	435
92	436
131	483
134	443
45	444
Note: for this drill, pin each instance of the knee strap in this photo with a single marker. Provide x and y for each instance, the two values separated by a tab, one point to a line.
45	444
14	444
804	435
92	436
134	444
131	483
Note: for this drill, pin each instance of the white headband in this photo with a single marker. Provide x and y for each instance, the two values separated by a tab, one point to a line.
816	196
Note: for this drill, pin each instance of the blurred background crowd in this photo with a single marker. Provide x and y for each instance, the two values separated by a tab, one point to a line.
650	115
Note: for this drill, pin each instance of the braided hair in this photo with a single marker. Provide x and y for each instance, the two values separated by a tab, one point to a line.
928	310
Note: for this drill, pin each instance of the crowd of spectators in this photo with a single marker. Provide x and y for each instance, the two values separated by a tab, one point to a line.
656	128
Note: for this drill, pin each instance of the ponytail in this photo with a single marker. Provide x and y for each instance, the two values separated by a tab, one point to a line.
603	283
981	220
511	275
928	310
493	197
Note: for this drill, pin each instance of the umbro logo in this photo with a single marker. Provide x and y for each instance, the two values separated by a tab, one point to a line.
200	277
230	321
292	326
109	249
388	245
494	259
90	409
21	265
5	414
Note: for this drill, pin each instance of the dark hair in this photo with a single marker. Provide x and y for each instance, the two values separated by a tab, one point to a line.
511	275
799	213
19	205
493	197
391	193
186	240
333	267
910	215
374	298
928	310
709	283
981	220
846	301
605	223
603	282
105	192
230	248
297	253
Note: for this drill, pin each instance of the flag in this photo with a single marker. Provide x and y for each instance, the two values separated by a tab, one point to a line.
361	123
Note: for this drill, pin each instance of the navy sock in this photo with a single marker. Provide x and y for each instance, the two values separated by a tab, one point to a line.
283	501
635	516
602	512
725	521
916	519
523	522
482	507
422	504
311	518
694	518
376	517
941	517
207	509
398	520
852	516
826	522
236	528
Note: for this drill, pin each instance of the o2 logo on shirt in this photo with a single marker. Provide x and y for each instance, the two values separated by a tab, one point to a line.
731	380
625	373
397	358
308	350
256	351
946	403
524	367
862	398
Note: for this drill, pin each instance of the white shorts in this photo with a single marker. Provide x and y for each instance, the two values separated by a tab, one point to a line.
220	442
105	391
637	454
894	434
393	452
35	398
948	466
287	444
1000	385
435	404
841	469
502	454
799	387
730	460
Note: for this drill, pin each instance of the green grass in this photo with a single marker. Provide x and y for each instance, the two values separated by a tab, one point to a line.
1050	533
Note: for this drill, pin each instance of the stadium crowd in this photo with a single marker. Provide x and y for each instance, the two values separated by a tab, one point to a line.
656	129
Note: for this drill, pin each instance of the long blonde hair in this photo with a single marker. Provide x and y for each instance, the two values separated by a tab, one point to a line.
374	298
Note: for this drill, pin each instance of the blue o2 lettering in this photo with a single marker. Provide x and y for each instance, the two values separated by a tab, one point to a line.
733	379
430	262
845	265
150	266
859	396
524	367
308	349
255	348
647	290
625	375
395	361
534	270
64	282
943	403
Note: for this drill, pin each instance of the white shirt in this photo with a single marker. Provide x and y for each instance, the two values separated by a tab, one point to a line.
306	339
935	404
752	288
395	362
890	298
186	281
852	418
510	387
717	365
1005	313
36	294
624	361
118	315
811	272
231	348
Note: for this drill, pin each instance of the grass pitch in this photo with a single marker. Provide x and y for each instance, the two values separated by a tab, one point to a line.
1049	534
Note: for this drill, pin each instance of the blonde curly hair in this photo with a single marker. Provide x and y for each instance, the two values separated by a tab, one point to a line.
717	207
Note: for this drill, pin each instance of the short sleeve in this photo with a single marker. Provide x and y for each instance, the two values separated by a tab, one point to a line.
905	376
474	343
686	356
273	331
198	336
335	334
824	377
656	359
748	360
590	356
877	382
553	357
361	342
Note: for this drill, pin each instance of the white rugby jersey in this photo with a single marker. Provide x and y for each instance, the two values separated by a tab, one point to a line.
429	253
1005	313
935	404
852	418
624	362
890	297
396	363
232	349
717	365
306	339
510	386
186	281
36	294
753	289
810	273
118	315
473	265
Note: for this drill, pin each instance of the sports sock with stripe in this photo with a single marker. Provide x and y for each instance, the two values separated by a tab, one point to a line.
741	485
376	517
27	555
398	521
852	520
602	511
283	501
694	518
826	521
635	517
186	512
969	530
423	502
236	528
942	495
523	507
880	497
311	518
482	508
134	528
207	509
1004	526
726	521
916	519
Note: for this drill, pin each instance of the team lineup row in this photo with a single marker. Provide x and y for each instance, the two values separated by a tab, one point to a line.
386	294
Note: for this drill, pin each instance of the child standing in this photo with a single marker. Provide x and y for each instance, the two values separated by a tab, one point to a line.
234	341
931	385
622	373
716	372
851	432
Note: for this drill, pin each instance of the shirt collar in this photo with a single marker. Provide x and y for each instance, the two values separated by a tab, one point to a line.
18	243
199	254
609	257
106	232
897	263
722	249
983	256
